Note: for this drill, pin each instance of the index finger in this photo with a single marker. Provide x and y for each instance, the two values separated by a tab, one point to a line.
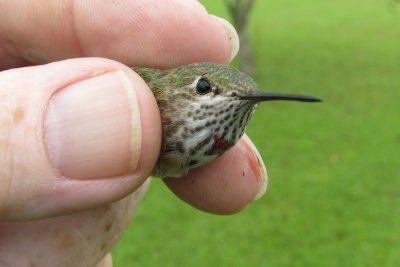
152	33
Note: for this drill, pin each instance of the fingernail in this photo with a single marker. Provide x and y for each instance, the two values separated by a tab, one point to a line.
263	175
92	127
232	35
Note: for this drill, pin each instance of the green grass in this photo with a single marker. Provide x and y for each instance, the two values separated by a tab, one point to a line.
334	190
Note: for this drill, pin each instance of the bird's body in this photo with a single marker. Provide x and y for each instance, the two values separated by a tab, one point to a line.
203	112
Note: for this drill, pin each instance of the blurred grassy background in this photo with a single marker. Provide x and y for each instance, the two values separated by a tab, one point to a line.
334	168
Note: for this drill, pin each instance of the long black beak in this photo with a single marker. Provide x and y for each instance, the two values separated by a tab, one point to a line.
265	96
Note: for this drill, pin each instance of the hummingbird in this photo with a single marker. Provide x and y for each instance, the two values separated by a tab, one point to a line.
205	108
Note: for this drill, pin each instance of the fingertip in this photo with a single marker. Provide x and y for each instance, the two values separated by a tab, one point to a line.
225	186
262	176
150	126
102	125
106	261
232	36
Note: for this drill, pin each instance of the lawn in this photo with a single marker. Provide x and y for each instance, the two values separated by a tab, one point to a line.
334	168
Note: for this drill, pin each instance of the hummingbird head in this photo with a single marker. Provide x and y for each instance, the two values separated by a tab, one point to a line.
205	108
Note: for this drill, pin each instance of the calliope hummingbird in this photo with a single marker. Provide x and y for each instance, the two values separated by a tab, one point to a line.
204	109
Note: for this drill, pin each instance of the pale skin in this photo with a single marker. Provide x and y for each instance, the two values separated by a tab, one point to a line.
96	205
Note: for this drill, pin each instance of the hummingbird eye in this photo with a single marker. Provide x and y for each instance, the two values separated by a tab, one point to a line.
203	86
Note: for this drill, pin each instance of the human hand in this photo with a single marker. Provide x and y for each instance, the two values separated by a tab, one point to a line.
79	137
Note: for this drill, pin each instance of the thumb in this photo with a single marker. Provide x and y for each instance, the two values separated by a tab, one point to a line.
74	135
